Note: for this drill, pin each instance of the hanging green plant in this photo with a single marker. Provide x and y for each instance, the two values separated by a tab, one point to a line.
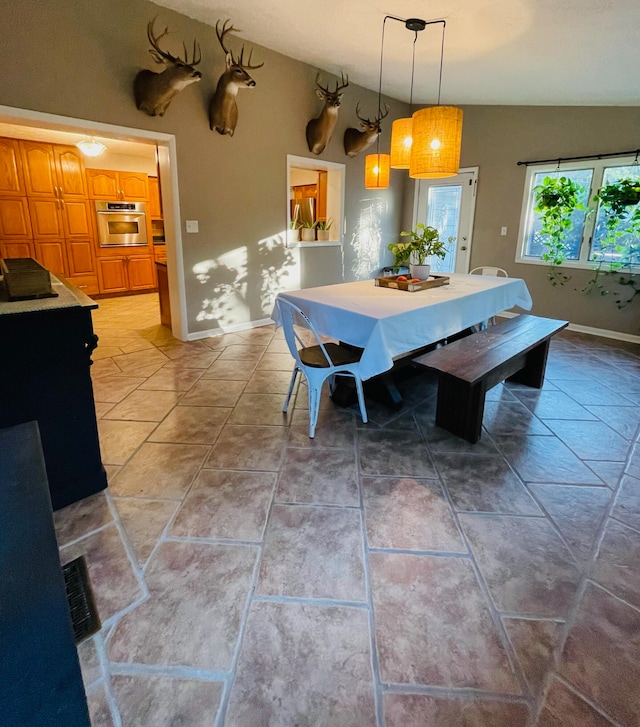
556	199
619	203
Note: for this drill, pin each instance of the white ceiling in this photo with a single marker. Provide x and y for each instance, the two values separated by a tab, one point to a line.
539	52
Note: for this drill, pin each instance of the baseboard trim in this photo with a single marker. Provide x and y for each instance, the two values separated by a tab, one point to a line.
589	330
211	333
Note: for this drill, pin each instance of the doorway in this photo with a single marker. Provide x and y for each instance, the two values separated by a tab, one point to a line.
23	123
449	206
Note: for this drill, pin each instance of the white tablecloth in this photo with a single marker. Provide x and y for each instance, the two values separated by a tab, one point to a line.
388	323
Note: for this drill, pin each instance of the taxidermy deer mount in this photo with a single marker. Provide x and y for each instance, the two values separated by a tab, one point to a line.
319	130
153	92
355	140
223	109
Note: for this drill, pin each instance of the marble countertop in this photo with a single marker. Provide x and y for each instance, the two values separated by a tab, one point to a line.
68	297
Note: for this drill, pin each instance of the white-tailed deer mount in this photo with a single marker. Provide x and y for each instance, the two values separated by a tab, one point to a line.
355	140
319	130
223	109
153	92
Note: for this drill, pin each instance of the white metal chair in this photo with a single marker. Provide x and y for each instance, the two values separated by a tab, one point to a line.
497	272
318	362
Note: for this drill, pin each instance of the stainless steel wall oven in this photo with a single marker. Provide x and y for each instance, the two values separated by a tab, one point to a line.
121	223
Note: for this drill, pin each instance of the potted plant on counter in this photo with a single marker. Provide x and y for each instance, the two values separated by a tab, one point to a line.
293	233
324	229
424	242
308	231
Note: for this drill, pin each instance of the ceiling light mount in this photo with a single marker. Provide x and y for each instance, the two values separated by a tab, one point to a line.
415	24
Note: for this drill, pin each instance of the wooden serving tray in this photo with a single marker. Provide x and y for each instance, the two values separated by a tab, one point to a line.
433	281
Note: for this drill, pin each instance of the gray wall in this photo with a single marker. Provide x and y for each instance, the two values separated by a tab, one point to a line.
78	58
495	138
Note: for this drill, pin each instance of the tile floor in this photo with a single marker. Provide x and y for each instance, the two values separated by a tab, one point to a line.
384	574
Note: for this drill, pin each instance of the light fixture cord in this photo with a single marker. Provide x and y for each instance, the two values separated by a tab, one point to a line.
444	25
413	66
384	22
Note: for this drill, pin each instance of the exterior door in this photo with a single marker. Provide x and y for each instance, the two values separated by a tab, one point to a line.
449	205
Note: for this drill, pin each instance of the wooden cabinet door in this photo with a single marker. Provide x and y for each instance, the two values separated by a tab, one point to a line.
51	254
14	218
39	169
11	177
102	184
134	186
112	274
70	171
77	216
155	205
16	248
46	218
141	272
80	257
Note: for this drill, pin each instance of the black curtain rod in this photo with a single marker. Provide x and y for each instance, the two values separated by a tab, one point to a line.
587	156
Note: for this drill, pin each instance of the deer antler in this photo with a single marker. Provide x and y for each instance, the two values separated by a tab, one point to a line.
161	56
248	63
383	115
344	83
240	61
325	89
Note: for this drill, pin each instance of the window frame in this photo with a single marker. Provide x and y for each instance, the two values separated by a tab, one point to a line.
598	165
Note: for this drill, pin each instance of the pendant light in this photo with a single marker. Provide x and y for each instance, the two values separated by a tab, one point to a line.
437	137
401	129
90	147
376	166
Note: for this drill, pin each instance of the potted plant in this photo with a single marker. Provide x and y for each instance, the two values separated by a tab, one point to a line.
308	231
619	203
293	233
423	242
556	199
324	229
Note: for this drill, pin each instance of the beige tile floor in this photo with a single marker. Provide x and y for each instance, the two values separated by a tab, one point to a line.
385	574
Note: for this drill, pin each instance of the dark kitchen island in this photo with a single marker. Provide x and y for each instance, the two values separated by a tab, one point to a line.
45	357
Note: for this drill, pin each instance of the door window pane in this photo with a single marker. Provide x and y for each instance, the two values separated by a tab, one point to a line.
443	213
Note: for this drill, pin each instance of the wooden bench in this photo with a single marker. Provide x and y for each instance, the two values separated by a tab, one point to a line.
515	350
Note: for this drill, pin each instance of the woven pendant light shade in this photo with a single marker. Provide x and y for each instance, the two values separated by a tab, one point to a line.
376	171
401	135
437	135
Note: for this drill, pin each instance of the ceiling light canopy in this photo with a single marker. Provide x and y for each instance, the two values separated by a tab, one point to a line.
428	142
90	147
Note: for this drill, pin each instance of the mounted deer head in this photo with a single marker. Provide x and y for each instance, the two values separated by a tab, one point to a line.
356	141
153	92
223	109
319	130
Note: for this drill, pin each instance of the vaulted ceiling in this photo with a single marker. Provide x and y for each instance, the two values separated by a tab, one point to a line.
540	52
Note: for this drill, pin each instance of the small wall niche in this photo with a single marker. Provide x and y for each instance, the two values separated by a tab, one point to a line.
315	194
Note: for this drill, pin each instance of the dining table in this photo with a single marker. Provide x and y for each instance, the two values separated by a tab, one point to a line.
389	324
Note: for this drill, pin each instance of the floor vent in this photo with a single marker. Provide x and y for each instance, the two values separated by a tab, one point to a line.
82	605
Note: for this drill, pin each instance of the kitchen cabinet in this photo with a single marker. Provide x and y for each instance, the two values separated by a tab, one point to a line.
52	255
16	248
77	218
45	364
110	185
155	203
121	273
15	221
53	170
11	176
46	217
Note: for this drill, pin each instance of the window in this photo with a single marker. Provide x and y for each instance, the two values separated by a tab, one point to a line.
587	240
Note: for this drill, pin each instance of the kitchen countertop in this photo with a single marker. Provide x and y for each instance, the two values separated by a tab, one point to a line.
68	297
